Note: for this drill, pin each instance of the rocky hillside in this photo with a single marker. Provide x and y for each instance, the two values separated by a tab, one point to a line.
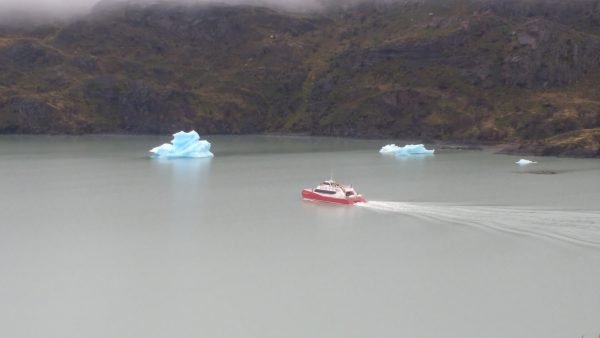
523	72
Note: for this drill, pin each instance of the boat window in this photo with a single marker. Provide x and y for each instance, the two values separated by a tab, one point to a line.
329	192
349	193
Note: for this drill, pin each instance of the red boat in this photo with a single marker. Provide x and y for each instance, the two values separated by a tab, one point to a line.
333	192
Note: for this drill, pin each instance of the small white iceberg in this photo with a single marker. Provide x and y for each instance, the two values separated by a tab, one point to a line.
409	149
184	145
524	162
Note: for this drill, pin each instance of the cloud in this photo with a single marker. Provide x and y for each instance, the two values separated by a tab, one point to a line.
67	8
44	8
13	10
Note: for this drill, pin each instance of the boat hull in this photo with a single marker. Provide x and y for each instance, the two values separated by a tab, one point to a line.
308	194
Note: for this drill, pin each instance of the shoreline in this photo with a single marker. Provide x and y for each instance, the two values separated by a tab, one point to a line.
541	149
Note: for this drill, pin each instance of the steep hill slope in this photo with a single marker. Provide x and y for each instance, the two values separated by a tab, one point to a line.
456	70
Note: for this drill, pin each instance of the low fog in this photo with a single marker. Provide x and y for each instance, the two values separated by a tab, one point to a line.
67	8
16	10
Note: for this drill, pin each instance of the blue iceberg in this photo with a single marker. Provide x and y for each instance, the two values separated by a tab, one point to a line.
409	149
184	145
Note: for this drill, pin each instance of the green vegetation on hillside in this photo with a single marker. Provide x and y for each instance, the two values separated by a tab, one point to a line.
470	71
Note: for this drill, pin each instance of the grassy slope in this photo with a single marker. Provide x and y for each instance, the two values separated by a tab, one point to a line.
458	71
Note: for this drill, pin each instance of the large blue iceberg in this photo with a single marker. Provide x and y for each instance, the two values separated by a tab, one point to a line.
409	149
184	145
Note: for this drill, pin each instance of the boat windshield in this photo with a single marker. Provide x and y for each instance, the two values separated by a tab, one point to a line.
321	191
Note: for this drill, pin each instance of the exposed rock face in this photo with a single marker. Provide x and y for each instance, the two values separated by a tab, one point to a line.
490	71
551	57
22	114
28	54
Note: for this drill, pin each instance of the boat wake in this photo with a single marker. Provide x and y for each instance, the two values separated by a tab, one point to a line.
578	226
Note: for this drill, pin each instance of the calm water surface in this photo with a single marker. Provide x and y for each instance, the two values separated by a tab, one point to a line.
98	240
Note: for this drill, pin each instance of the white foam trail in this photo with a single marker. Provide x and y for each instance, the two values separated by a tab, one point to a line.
579	226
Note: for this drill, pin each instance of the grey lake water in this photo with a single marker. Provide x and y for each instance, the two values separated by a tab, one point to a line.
98	240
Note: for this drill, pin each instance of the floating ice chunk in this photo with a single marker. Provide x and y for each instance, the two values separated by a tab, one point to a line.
390	148
184	145
525	162
409	149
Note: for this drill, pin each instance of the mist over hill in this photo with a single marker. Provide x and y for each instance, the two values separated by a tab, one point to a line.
522	72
